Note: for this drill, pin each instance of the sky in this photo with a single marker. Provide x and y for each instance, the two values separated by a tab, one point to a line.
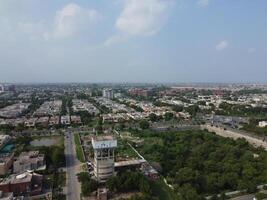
133	41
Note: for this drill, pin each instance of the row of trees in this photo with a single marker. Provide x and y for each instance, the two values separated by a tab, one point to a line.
66	105
241	110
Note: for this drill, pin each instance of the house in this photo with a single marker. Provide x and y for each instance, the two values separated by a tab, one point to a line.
149	171
54	120
43	121
6	161
26	183
31	160
7	196
262	124
30	122
75	119
65	120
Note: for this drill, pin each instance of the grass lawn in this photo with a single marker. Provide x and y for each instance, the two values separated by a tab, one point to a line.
124	150
79	150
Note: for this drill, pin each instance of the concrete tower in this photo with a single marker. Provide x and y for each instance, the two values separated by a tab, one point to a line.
104	147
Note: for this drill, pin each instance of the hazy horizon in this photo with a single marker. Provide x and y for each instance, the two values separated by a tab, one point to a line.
133	41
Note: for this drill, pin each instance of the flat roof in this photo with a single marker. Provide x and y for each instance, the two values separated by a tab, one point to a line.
103	138
129	162
104	141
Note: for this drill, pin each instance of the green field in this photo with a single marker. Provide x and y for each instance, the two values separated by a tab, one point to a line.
124	150
79	150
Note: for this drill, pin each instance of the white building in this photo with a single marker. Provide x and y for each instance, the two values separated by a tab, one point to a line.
65	120
2	89
263	124
118	95
108	93
104	147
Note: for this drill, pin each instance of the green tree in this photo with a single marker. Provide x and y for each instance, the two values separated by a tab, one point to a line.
188	192
192	110
144	124
177	108
57	156
168	116
153	117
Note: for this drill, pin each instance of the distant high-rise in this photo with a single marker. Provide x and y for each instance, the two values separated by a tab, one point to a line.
12	88
108	93
2	88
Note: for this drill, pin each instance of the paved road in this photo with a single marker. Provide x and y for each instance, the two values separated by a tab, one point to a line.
72	165
245	197
231	133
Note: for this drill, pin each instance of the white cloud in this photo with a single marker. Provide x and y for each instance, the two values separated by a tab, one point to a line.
71	20
222	45
142	17
203	3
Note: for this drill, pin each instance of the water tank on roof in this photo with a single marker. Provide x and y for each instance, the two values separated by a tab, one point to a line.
21	176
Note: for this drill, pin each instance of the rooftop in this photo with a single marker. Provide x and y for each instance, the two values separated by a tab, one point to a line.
103	138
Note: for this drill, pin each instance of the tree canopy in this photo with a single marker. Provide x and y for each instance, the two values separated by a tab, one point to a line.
208	163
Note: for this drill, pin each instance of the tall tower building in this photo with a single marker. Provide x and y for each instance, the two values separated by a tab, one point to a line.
104	147
108	93
2	88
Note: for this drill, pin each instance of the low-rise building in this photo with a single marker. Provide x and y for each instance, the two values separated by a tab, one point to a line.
262	124
31	160
14	110
102	194
65	120
43	121
2	121
149	171
6	161
141	92
7	196
49	108
54	120
75	119
83	105
18	121
22	184
30	122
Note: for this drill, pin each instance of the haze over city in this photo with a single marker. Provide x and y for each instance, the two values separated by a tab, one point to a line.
133	41
133	99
